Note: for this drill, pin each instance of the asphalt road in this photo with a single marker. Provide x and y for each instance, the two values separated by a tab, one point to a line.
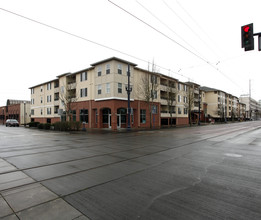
206	172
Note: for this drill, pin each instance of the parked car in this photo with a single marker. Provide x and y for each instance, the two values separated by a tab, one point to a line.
11	122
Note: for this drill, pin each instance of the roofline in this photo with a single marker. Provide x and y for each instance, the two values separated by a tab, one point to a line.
64	74
42	83
86	69
113	58
160	74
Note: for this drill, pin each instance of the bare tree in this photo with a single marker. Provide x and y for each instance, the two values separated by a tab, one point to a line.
148	89
190	101
68	98
171	97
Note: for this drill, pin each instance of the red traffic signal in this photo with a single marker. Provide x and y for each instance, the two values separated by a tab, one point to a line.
246	28
247	38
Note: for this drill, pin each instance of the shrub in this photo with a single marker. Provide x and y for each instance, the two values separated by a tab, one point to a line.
61	126
47	126
33	124
40	126
67	126
77	125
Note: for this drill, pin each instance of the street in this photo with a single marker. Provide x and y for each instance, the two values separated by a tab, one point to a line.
200	172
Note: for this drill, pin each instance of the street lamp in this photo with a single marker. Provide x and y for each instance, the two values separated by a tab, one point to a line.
129	90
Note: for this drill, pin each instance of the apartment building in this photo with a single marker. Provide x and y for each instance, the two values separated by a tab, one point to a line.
241	111
98	96
222	106
252	109
15	109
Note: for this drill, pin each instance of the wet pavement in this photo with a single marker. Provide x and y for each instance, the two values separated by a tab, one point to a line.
207	172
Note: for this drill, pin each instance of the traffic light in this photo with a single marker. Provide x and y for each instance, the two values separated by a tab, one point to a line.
247	37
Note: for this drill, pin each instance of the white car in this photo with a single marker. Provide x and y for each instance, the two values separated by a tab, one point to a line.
11	123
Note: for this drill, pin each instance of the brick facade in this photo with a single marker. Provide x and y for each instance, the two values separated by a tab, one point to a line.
96	114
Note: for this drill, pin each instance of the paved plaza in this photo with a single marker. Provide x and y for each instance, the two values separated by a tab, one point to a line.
206	172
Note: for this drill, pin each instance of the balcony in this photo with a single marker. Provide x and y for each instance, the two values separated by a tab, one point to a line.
56	90
71	85
196	91
56	102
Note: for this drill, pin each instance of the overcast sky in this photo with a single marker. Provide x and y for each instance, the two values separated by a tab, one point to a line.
198	41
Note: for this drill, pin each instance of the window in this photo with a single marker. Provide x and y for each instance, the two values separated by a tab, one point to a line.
49	98
32	101
41	88
32	91
49	86
119	69
56	96
99	71
105	115
41	99
49	111
122	112
179	110
108	69
154	109
185	111
179	86
185	88
143	116
173	109
56	84
108	87
56	109
83	76
119	87
41	111
185	99
84	115
99	89
32	112
84	92
179	98
153	79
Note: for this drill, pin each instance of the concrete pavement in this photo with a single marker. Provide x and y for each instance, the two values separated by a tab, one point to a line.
210	172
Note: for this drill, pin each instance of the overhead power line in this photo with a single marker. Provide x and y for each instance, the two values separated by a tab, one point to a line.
188	26
74	35
167	26
88	40
194	20
160	32
174	41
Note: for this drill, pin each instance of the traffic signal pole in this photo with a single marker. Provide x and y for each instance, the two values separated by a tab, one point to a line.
259	40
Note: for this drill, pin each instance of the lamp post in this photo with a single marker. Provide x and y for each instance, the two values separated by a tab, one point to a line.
199	108
129	89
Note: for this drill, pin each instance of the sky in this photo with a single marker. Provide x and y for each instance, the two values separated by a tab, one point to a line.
197	41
